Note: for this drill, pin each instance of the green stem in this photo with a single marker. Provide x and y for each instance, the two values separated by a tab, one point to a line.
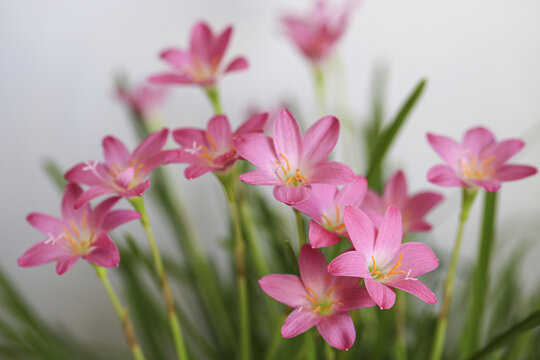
213	95
468	196
300	228
481	276
319	89
329	352
122	314
401	344
228	181
138	204
311	349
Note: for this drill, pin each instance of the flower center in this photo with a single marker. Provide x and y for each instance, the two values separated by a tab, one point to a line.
297	179
337	226
378	274
474	171
323	306
79	240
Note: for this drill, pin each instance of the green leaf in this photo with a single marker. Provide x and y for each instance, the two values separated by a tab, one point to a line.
55	174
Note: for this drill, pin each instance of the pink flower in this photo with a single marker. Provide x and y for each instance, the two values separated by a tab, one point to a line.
319	299
413	208
142	98
79	233
317	33
479	161
292	162
212	150
382	260
201	63
123	173
326	207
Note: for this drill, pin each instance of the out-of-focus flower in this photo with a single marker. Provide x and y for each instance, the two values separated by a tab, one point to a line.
79	233
201	63
479	161
317	33
212	150
413	208
382	260
123	173
319	299
326	207
292	162
143	98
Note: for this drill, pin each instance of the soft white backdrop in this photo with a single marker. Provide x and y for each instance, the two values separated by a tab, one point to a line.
58	58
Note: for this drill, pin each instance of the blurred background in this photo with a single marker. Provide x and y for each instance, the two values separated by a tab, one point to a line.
57	68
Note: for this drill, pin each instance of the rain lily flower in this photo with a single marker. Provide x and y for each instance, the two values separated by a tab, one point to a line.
292	162
201	63
122	173
479	161
326	207
319	299
413	208
212	150
142	99
79	233
382	260
317	33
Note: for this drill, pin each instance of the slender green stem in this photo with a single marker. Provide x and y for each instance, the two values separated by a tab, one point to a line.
399	313
311	349
138	204
228	181
481	276
320	90
468	196
122	314
213	95
300	228
329	352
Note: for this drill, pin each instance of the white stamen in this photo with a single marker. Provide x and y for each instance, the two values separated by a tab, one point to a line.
195	149
407	277
50	239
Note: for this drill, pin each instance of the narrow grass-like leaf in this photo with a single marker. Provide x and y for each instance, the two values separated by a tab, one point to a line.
55	174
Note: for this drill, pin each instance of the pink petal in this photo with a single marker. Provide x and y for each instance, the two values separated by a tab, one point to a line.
389	237
313	268
169	78
352	194
177	58
71	193
331	172
97	215
417	226
258	149
105	252
299	321
321	139
260	177
201	41
350	263
239	63
255	124
395	190
447	148
488	185
291	195
92	193
285	288
288	138
360	229
66	263
353	298
320	237
115	151
415	288
443	175
124	178
417	260
338	330
503	151
373	202
152	144
322	198
118	217
383	296
194	171
420	204
219	130
514	172
40	254
81	174
161	158
46	224
220	45
137	190
190	138
477	139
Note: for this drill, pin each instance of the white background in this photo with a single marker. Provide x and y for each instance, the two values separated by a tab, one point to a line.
58	59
